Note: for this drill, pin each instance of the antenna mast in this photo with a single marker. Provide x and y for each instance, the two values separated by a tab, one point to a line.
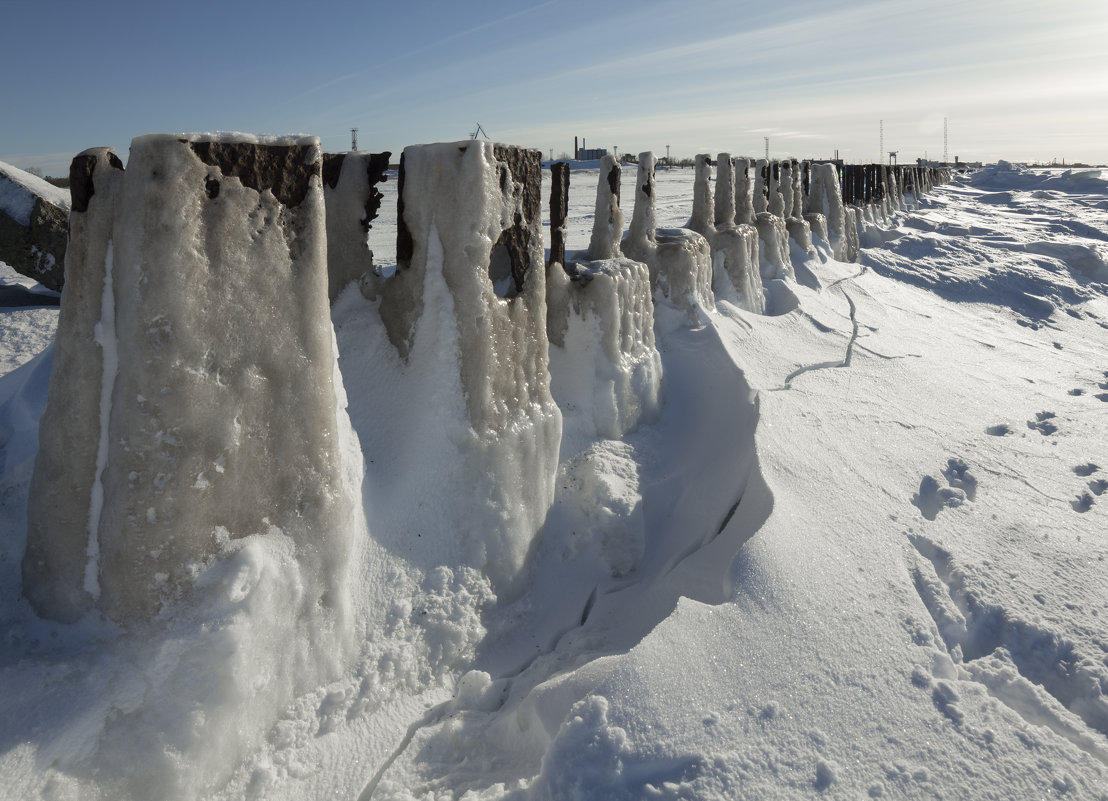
478	130
946	158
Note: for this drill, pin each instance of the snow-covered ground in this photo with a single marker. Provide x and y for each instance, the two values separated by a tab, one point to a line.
860	553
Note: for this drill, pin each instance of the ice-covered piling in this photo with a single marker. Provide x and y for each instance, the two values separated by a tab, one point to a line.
603	362
192	398
734	248
605	371
725	190
825	197
702	212
760	195
352	199
744	192
559	212
607	227
468	306
679	259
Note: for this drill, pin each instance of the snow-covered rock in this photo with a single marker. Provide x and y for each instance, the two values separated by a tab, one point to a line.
34	226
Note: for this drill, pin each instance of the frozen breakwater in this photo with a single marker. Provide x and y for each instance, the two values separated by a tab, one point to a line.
199	316
197	472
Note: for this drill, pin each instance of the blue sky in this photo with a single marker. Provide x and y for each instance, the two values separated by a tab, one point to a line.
1017	79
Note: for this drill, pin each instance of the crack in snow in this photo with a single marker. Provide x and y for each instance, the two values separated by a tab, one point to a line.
849	346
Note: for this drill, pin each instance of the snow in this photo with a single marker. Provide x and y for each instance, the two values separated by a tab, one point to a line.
856	551
18	190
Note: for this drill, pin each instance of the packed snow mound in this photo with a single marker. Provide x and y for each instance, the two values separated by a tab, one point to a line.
1047	259
1005	175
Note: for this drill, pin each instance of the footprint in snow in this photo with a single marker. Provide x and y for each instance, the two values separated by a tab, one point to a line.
1075	392
1102	396
999	430
957	474
1042	423
1086	469
933	497
1098	486
1082	503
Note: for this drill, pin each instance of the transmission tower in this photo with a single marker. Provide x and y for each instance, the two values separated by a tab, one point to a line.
881	149
353	138
767	147
946	157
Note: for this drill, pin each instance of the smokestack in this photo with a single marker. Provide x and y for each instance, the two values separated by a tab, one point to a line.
575	150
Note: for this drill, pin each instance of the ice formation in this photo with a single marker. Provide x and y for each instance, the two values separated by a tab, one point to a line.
605	370
193	399
466	313
680	260
604	366
744	192
702	212
734	248
607	229
774	247
725	190
825	197
352	200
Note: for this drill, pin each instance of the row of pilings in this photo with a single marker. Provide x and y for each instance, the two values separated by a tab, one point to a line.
192	399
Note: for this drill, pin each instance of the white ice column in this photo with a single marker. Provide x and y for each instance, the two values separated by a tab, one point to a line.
785	187
702	211
774	247
744	192
761	186
467	313
61	575
825	197
192	398
607	226
725	190
775	203
352	199
798	190
679	259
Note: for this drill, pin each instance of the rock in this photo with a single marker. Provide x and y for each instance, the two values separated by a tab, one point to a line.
34	226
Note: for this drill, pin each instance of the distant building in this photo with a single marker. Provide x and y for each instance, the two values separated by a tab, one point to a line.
591	153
